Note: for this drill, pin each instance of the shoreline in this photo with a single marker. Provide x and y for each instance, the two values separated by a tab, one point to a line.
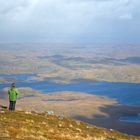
113	122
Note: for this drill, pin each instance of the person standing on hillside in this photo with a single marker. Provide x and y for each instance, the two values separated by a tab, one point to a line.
13	92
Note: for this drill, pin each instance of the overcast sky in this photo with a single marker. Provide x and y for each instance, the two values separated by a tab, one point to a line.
70	21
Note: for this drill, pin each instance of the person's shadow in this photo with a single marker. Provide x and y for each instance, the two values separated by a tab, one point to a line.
3	107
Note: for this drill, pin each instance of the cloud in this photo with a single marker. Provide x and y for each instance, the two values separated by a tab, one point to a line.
126	17
69	20
10	6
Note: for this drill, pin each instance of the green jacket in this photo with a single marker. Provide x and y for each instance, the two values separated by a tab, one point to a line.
13	92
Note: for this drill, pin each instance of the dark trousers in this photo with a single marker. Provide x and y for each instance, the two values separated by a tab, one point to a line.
12	105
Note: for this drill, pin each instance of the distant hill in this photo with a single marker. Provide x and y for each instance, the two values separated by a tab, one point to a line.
65	63
47	126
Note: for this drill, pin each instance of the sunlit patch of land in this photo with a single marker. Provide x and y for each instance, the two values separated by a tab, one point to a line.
66	103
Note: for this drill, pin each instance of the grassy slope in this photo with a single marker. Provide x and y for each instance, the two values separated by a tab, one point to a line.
33	126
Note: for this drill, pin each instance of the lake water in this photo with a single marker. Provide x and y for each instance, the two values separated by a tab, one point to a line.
125	93
132	118
17	77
